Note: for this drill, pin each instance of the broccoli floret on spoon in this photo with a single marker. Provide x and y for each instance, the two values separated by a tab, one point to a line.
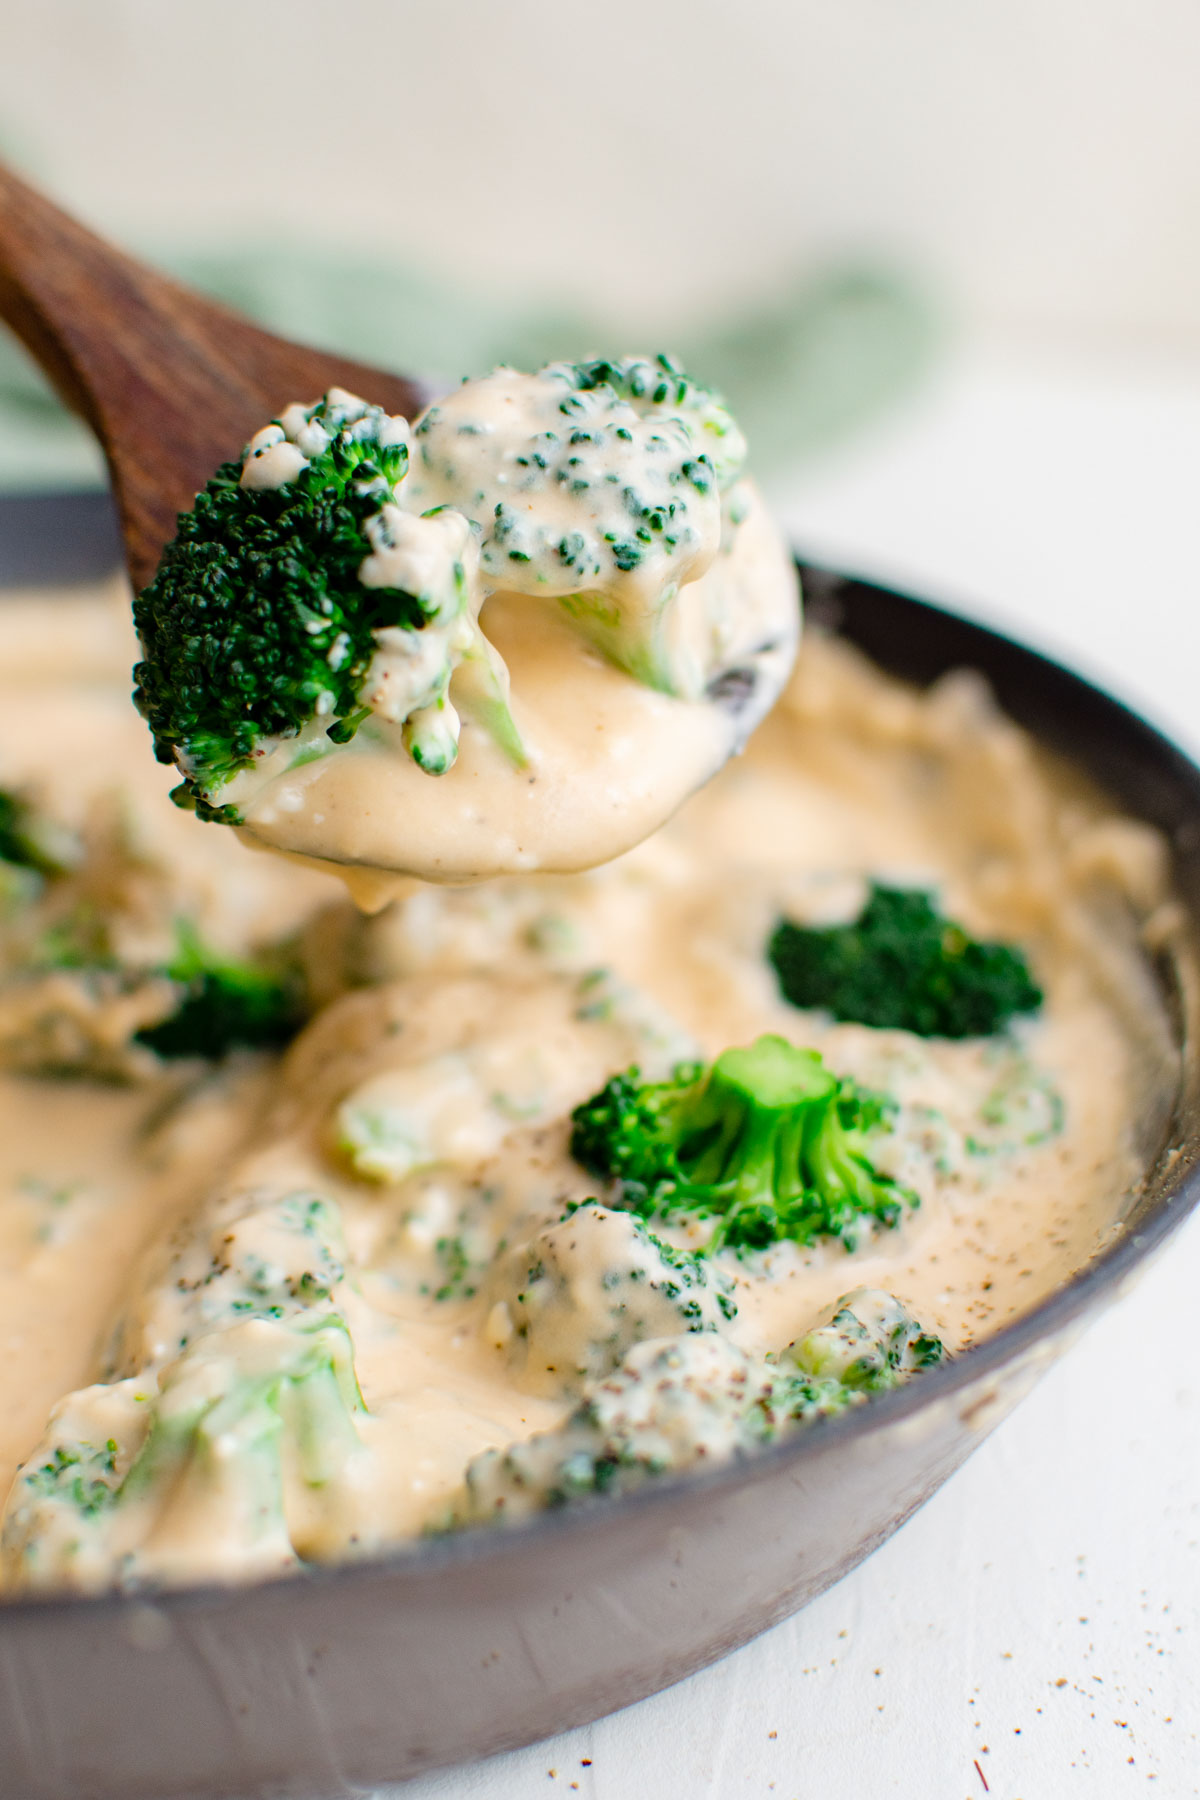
296	600
323	596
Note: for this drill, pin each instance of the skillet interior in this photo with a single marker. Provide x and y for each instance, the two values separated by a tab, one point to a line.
353	1676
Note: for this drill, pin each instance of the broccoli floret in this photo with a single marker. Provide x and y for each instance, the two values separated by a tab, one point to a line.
90	984
671	1404
760	1140
872	1343
295	1380
275	1257
901	965
227	1002
292	576
230	1396
568	1305
82	934
694	1400
98	915
598	484
242	1423
322	585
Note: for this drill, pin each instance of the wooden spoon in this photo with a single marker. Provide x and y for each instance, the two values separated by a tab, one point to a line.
171	383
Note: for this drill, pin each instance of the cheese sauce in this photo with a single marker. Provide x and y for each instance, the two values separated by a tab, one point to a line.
408	1162
606	758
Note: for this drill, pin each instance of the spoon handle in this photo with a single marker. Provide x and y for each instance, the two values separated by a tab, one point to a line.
171	383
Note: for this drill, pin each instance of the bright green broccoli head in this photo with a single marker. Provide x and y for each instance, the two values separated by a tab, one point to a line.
901	965
263	620
765	1140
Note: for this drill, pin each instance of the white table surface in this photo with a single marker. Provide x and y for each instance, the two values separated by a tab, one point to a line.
1034	1632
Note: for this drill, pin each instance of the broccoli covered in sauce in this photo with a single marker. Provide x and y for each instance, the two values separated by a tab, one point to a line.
575	1299
226	1002
101	972
252	1428
682	1403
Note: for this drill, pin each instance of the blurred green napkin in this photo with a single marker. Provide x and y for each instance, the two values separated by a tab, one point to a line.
800	369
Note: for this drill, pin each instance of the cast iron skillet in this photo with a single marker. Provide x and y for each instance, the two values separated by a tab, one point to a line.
345	1678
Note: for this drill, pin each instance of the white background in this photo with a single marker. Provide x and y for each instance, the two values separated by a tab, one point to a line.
1037	160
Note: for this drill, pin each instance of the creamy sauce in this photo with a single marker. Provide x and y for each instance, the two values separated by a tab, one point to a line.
607	759
427	1108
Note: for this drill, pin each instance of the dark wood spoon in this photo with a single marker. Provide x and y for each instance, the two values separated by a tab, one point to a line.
171	383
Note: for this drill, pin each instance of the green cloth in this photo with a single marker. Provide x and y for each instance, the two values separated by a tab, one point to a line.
799	369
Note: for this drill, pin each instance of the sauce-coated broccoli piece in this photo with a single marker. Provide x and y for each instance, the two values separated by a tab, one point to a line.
575	1299
901	965
235	1431
230	1397
227	1002
768	1140
102	972
598	484
262	1256
675	1404
872	1343
87	921
328	586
